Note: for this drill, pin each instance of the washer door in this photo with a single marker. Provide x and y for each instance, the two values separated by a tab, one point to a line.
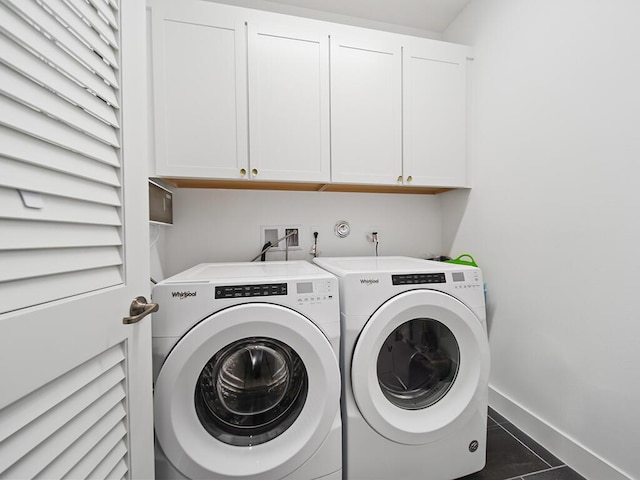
418	366
250	392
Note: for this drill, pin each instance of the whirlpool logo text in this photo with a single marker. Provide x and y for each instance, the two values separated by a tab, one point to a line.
183	295
369	281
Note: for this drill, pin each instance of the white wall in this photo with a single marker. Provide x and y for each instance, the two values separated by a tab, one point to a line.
554	219
330	17
224	225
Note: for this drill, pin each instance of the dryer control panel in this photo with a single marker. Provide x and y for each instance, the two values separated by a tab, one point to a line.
418	278
460	279
466	279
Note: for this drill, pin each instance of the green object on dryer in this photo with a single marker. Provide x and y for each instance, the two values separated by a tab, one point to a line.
464	259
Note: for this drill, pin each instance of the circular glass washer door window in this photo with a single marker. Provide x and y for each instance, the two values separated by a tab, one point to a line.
250	392
419	367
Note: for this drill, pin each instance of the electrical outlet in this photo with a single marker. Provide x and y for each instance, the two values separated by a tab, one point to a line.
373	234
314	235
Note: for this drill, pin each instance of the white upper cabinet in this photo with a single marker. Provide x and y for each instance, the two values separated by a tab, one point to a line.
398	110
434	113
243	94
366	102
199	58
288	99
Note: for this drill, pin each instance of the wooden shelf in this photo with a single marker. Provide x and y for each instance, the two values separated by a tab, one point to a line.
303	187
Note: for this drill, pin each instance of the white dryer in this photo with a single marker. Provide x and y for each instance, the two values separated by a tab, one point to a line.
247	381
415	366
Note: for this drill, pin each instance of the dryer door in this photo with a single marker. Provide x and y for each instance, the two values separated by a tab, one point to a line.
250	392
419	367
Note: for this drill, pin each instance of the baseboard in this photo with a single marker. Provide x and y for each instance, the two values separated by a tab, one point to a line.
579	458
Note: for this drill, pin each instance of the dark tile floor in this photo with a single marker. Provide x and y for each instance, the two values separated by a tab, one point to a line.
512	455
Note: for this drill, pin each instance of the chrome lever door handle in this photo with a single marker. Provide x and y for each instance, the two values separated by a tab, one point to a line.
139	309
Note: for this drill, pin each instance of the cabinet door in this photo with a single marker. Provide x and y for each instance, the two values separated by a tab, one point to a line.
199	89
288	100
366	106
435	109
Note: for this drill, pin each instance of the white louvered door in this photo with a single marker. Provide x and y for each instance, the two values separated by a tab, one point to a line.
75	382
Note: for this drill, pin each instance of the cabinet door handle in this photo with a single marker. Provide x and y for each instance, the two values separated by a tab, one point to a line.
399	180
243	172
254	172
409	179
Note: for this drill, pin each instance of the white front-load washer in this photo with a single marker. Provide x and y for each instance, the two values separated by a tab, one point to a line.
415	368
247	381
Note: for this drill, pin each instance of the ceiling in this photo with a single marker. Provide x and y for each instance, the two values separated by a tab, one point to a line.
432	15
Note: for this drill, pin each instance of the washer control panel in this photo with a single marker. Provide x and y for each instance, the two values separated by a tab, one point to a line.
316	291
262	290
307	292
